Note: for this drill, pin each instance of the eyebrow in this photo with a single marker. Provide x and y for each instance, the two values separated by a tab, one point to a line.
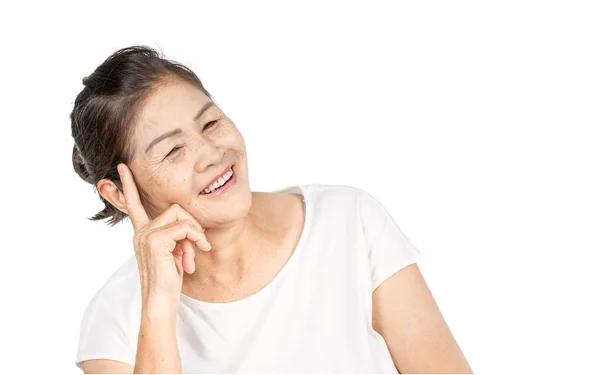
178	130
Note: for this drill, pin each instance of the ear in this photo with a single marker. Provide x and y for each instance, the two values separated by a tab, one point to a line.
112	194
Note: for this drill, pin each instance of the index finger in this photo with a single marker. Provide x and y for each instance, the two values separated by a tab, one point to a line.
135	210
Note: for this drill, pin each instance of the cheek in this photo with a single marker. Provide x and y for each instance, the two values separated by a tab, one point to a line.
168	184
173	186
230	138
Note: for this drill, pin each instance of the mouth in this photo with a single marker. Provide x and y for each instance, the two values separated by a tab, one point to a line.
221	184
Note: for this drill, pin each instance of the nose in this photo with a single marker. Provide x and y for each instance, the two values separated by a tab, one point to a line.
207	155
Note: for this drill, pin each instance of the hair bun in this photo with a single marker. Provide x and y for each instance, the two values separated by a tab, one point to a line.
79	166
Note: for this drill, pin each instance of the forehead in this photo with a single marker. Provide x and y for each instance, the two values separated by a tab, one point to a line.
172	105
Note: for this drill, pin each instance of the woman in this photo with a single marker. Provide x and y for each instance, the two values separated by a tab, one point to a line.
309	278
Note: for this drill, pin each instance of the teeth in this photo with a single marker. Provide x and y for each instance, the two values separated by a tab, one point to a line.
219	182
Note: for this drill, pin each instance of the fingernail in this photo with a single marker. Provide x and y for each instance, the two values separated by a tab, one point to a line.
120	168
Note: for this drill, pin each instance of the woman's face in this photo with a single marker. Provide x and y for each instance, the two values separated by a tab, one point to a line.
177	154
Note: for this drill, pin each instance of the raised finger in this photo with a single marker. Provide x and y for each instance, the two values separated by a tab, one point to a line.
135	210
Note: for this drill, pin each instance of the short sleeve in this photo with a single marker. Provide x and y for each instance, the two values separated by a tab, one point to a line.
389	249
102	335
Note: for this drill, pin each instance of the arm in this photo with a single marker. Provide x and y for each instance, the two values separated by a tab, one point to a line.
418	338
105	366
157	350
164	250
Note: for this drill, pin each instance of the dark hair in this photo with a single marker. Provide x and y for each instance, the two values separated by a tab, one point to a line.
107	107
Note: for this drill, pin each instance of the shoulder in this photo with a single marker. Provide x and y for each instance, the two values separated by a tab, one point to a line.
346	200
324	200
111	320
344	206
122	282
330	194
118	297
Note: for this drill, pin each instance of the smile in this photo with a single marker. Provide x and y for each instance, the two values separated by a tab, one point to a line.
221	184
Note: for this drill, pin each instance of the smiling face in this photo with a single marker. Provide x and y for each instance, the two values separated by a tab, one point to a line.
182	141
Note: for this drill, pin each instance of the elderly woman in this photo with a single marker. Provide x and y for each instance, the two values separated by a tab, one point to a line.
308	278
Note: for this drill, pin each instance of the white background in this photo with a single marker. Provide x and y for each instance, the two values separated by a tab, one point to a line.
475	124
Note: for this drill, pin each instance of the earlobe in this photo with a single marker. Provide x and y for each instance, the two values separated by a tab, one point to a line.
112	193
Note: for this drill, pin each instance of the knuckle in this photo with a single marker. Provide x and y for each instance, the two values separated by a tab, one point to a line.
153	240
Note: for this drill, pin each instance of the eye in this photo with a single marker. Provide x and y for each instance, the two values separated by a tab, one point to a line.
209	124
173	151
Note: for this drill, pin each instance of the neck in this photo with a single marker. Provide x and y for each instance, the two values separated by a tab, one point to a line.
231	254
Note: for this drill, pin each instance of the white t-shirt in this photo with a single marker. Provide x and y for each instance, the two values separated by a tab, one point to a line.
314	316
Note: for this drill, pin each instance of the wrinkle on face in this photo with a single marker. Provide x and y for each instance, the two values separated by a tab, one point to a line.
176	178
154	166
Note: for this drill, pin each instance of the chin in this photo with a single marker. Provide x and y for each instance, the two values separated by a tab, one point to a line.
220	212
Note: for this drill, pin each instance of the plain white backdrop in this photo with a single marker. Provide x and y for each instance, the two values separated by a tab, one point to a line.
475	124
